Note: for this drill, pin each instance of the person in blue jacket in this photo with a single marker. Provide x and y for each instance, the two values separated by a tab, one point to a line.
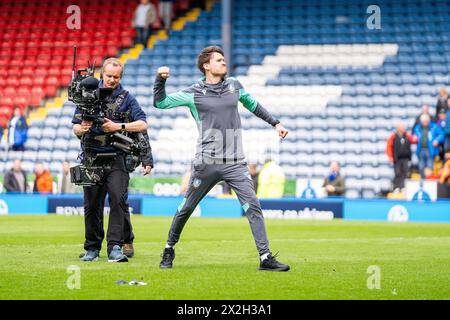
17	131
428	136
117	177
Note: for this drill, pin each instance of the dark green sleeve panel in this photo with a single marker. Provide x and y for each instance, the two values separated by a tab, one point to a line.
247	100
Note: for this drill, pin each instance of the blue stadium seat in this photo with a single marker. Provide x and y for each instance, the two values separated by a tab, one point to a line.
347	122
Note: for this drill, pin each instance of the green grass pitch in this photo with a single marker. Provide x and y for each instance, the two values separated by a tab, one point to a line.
216	259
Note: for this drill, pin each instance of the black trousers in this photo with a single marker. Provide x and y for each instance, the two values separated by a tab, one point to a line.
401	172
128	235
119	227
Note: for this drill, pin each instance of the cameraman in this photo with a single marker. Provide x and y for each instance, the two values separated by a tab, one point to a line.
116	179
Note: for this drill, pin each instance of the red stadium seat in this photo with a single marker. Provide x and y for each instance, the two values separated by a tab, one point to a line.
50	91
126	42
33	51
6	52
20	44
38	92
34	101
111	51
14	71
12	81
59	51
7	44
27	71
6	101
65	79
4	61
52	80
21	101
9	91
29	61
36	49
26	81
54	71
24	91
5	114
20	52
39	81
16	62
41	71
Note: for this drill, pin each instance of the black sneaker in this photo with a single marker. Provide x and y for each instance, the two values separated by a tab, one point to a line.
167	258
271	264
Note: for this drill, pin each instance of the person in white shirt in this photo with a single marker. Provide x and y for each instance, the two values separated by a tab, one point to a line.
144	17
64	184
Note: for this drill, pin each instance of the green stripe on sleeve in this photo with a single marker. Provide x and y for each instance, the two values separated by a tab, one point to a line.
176	99
247	100
179	99
194	112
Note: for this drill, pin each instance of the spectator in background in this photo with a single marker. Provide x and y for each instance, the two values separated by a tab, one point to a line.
185	181
43	182
444	179
441	122
445	172
446	127
17	131
166	11
3	145
271	181
425	110
441	119
16	179
144	17
428	136
334	183
398	150
442	102
65	184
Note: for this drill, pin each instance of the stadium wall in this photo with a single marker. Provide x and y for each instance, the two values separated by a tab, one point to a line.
286	208
139	204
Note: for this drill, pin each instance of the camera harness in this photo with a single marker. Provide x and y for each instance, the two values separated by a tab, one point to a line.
134	149
131	161
101	140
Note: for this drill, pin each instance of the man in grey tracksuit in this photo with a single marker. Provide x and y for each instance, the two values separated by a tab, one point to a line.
213	103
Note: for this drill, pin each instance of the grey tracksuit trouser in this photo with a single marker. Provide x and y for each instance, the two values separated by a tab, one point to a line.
203	178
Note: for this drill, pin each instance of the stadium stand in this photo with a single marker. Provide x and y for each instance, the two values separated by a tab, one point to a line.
338	86
341	85
36	56
37	45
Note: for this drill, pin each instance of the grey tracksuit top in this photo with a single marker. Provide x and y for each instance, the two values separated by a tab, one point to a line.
215	110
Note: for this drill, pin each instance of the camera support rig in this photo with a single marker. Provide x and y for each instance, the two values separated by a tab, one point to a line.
85	93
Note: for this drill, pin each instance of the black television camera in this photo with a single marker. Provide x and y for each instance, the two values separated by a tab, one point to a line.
84	92
93	103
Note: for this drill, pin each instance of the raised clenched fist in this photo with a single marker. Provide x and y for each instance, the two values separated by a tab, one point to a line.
164	72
